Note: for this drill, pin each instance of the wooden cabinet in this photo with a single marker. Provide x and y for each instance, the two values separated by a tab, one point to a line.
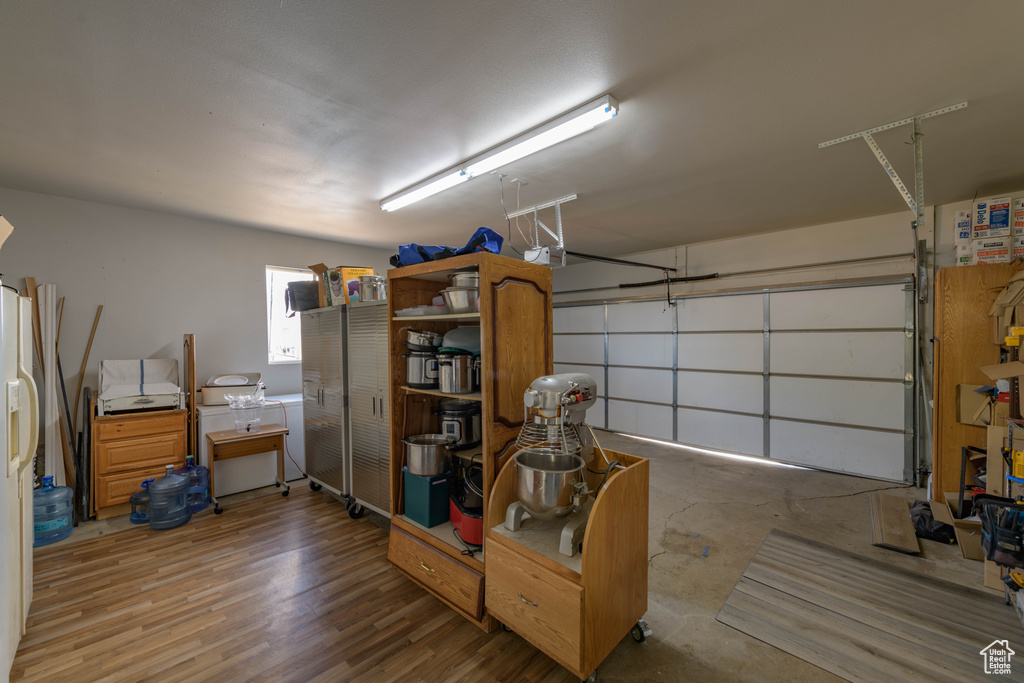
963	344
575	609
516	348
129	448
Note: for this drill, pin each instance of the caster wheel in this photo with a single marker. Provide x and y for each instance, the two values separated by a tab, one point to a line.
356	511
506	629
217	510
589	679
640	631
277	484
313	486
285	493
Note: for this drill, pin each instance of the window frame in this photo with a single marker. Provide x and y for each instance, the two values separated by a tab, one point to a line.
290	270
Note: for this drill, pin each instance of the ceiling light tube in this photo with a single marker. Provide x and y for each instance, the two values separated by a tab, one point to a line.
570	124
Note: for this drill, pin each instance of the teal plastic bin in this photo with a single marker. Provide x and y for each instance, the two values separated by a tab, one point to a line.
426	498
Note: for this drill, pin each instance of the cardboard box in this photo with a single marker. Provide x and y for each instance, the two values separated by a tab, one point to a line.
992	250
991	218
1018	217
342	284
320	269
964	255
334	283
968	533
962	227
973	408
999	217
1018	247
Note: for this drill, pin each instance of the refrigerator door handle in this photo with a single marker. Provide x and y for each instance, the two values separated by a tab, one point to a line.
25	375
373	405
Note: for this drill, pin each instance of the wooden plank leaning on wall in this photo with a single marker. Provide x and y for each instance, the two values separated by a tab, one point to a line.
963	297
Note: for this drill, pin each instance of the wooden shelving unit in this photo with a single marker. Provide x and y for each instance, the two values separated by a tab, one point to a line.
516	348
575	609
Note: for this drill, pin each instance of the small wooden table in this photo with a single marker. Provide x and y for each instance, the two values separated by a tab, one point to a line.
231	444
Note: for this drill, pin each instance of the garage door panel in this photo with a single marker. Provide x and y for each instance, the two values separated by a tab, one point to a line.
720	431
843	449
595	415
578	319
868	404
579	348
721	351
640	385
648	316
640	418
741	393
843	354
721	313
595	371
640	349
846	308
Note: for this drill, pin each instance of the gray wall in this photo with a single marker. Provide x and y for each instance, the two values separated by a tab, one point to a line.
159	276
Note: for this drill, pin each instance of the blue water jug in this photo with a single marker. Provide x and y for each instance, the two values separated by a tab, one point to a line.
168	501
199	484
140	504
51	513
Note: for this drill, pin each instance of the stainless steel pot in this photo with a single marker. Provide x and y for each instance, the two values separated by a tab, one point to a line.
455	374
372	288
478	373
426	455
545	479
422	340
421	370
461	299
465	278
460	419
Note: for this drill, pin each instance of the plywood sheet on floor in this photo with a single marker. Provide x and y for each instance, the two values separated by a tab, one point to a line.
862	619
890	523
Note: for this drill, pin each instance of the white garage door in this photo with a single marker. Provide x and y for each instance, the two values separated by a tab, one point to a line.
807	376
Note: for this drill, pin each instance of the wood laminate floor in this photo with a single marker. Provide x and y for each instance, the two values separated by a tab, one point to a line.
274	589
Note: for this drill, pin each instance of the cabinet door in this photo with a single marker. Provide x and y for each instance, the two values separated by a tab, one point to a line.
383	415
310	336
365	404
324	428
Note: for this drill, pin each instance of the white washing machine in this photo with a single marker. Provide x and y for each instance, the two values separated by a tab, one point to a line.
255	471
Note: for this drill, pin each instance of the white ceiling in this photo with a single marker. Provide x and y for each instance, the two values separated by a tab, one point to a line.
301	116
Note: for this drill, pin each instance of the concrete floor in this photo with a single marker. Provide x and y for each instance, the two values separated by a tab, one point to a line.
728	506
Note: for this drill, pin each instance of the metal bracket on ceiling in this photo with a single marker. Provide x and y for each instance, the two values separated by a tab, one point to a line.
537	224
916	204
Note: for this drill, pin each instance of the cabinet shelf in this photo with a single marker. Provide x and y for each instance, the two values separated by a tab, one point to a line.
446	534
446	316
475	396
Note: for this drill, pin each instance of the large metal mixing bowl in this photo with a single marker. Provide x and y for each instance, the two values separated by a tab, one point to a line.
545	480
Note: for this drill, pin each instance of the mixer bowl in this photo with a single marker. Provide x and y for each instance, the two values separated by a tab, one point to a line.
545	479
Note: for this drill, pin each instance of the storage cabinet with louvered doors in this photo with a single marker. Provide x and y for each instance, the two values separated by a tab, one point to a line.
367	356
323	398
516	348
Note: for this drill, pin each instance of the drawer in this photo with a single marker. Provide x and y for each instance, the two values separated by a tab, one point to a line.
438	573
115	489
542	607
135	426
131	454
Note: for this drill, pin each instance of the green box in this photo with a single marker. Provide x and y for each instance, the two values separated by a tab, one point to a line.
426	498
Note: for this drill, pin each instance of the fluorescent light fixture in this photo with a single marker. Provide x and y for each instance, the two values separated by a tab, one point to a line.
570	124
423	190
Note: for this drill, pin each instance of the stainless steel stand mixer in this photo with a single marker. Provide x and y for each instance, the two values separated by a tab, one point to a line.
550	485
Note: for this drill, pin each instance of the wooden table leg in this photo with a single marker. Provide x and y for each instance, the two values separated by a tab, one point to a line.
280	468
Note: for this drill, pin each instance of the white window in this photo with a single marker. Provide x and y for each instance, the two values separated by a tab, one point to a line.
283	334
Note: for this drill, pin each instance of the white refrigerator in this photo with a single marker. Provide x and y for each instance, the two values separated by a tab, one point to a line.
19	434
